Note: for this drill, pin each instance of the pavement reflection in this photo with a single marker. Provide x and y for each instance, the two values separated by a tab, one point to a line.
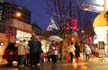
93	64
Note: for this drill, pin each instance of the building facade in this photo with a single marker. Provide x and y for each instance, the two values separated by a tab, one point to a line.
14	27
9	10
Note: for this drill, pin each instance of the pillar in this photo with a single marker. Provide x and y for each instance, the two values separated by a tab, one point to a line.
105	5
106	9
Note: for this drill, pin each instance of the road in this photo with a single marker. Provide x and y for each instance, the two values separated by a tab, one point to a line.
93	64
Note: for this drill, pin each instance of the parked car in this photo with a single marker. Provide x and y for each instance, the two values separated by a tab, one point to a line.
11	53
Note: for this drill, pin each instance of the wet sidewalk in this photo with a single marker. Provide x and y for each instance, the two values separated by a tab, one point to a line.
94	64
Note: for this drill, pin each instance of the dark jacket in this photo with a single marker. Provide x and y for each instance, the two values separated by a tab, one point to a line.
35	46
77	50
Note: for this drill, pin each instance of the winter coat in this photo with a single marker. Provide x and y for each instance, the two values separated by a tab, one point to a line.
35	46
71	49
21	48
87	49
53	50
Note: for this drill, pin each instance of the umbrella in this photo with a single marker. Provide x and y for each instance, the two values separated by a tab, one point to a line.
56	38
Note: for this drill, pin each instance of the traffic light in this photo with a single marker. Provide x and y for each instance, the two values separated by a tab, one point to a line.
74	25
71	25
8	32
68	26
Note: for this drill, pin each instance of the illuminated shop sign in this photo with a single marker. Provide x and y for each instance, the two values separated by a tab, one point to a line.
22	35
101	33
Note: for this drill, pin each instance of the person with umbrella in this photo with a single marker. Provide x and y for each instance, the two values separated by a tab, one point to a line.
55	38
53	51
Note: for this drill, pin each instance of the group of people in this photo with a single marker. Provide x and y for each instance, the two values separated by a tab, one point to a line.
30	52
88	52
74	52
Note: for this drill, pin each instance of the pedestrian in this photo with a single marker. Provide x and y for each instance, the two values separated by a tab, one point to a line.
87	52
35	51
49	56
27	61
53	52
21	52
93	50
71	51
77	51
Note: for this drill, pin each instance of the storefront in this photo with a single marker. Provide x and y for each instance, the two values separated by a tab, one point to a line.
22	30
21	35
19	31
101	29
101	34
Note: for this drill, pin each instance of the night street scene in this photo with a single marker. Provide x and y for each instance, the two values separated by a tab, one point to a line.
53	34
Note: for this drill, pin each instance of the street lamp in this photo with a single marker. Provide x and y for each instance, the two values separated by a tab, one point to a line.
18	14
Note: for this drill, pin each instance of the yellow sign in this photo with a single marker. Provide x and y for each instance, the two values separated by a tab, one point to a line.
100	20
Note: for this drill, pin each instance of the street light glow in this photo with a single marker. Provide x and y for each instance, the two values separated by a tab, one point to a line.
93	5
18	14
82	31
86	9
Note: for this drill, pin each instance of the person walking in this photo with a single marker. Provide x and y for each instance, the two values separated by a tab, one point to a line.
35	51
53	51
77	51
87	52
27	60
21	52
71	51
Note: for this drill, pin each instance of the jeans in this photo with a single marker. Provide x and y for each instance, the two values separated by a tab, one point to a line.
21	59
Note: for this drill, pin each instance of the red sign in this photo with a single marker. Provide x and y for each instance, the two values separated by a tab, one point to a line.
8	32
74	24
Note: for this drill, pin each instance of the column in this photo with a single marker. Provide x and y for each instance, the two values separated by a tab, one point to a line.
105	5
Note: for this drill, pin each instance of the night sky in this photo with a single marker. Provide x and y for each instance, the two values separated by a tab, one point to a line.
39	14
38	11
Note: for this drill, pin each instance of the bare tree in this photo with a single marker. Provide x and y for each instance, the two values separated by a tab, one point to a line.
61	10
